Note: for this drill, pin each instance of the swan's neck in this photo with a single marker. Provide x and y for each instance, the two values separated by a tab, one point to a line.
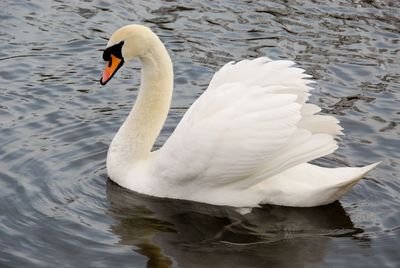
137	135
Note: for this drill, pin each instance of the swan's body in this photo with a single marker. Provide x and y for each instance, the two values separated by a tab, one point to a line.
246	141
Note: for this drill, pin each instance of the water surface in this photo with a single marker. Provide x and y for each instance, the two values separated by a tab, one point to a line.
59	209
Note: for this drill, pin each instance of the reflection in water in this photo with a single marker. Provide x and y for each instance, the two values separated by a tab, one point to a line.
191	234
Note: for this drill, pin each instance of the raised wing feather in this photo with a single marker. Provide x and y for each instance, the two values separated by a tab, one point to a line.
251	123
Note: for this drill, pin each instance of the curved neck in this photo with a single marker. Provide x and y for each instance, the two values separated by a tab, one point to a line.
138	133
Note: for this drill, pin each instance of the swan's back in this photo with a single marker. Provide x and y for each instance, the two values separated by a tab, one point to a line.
247	124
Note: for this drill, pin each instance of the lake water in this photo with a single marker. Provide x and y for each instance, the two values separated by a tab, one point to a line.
57	206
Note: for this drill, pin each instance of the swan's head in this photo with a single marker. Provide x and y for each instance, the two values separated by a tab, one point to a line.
125	44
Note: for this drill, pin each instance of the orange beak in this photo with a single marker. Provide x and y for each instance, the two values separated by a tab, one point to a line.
112	67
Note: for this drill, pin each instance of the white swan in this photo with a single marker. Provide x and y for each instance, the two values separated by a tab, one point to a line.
244	142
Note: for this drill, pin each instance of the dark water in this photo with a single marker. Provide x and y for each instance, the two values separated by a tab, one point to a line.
57	208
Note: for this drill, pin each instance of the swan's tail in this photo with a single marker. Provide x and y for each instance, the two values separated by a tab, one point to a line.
350	175
308	185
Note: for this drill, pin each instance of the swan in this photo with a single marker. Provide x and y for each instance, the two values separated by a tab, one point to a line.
246	141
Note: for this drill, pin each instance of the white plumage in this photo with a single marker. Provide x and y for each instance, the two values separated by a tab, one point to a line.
244	142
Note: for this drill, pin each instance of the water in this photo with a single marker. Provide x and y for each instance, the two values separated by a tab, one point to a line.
58	209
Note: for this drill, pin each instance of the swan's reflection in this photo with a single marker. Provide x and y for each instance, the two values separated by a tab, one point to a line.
192	234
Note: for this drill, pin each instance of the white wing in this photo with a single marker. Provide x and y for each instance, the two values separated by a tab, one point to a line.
250	124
